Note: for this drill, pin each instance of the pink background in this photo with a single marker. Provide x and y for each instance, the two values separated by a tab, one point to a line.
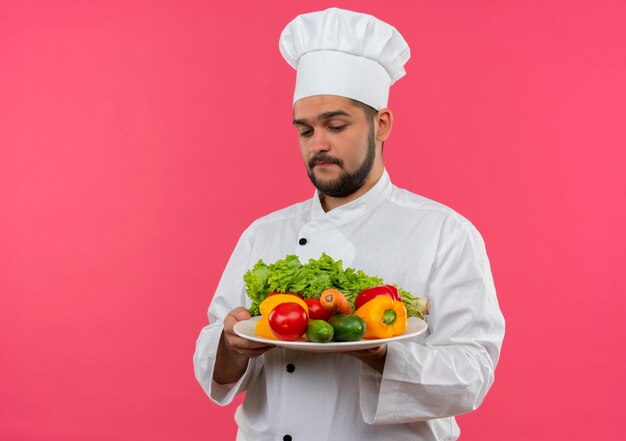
138	139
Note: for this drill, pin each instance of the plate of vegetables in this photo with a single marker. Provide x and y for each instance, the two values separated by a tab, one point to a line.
319	306
245	329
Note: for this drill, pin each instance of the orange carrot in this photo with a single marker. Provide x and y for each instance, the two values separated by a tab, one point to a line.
335	302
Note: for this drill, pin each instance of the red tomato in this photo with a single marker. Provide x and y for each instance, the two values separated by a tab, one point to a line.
316	310
288	321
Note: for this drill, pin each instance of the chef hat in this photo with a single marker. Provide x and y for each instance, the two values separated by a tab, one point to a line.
345	53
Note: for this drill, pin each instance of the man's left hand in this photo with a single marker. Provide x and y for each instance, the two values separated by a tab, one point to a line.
374	357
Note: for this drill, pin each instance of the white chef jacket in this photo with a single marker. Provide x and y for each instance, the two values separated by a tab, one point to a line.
408	240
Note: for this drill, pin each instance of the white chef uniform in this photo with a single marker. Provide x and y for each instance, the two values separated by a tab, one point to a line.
420	245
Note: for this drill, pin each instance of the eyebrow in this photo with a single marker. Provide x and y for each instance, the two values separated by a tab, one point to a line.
321	117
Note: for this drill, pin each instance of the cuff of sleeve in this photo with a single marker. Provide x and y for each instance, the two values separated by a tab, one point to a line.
223	394
380	393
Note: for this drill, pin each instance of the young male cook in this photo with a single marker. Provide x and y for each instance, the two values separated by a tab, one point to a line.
408	390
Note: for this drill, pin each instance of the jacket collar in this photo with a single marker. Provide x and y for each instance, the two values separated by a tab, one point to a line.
356	208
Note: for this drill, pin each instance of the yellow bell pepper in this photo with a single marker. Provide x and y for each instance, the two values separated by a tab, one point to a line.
383	317
262	328
272	301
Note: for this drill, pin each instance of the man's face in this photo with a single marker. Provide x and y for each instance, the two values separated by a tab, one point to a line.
337	143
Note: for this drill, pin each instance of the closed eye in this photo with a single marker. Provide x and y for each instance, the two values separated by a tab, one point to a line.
337	128
305	133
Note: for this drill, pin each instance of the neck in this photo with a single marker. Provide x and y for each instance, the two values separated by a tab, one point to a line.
330	202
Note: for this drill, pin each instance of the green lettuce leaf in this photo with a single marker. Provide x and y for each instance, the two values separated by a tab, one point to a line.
310	279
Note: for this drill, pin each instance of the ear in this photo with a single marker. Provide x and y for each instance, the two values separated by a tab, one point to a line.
384	121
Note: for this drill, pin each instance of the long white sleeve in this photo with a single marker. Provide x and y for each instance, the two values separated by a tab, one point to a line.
451	371
230	294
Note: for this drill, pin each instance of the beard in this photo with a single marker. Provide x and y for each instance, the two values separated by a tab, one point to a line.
347	183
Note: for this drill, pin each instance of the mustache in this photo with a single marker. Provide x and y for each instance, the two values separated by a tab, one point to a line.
317	159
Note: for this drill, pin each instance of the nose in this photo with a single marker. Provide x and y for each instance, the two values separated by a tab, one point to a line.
319	141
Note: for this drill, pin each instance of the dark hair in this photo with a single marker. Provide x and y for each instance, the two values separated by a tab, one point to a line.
370	114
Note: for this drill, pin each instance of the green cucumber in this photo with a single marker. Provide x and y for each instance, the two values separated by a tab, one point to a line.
347	327
319	331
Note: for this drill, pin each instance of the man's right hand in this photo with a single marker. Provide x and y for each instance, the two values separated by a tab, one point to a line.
233	342
233	351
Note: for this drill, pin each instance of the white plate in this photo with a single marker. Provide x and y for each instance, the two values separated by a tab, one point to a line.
245	329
